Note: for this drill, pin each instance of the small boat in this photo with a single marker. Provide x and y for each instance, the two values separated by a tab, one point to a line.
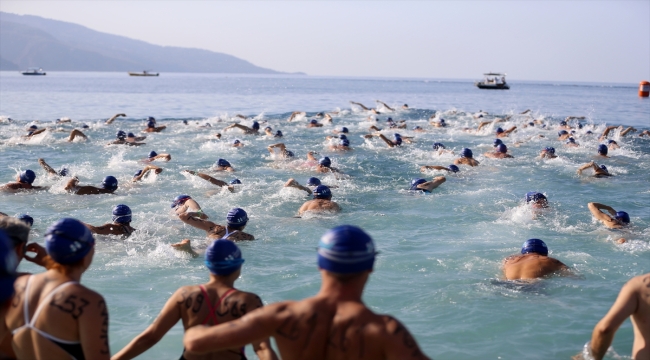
494	81
34	71
144	73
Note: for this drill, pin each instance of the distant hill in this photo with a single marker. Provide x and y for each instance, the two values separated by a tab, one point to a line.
32	41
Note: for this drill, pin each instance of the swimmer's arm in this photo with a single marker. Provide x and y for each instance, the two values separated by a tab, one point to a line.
626	131
310	156
71	183
482	124
606	132
525	112
432	167
388	142
585	167
109	121
596	208
510	130
398	342
47	167
239	126
106	229
386	106
278	145
165	157
168	317
359	104
93	325
208	178
294	184
191	218
625	305
38	131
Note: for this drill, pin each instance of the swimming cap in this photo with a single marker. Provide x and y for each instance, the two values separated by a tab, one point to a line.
223	257
267	128
453	168
563	123
416	182
397	136
151	119
497	142
442	121
185	122
222	163
562	132
63	172
313	121
502	148
84	126
235	182
579	126
437	145
602	149
346	249
288	153
535	197
122	214
68	240
278	133
466	153
604	167
33	127
109	183
121	135
313	181
550	150
417	128
153	154
237	217
343	137
589	132
27	176
137	173
179	200
322	192
570	140
389	119
499	130
8	263
623	217
325	161
151	124
344	130
610	141
256	125
344	142
236	141
130	135
26	219
534	246
398	139
531	124
573	132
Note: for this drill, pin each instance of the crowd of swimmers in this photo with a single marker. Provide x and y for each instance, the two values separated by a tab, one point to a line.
52	315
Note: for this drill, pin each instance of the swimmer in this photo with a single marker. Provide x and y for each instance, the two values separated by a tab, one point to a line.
51	171
564	125
440	123
140	174
121	140
571	142
419	129
451	168
222	165
391	143
26	219
427	186
617	220
342	130
385	105
466	158
63	120
314	123
606	132
324	165
328	119
253	130
533	263
335	321
439	148
645	133
602	151
130	137
33	131
536	200
391	124
405	107
312	183
153	156
633	300
503	133
224	260
151	126
17	231
500	152
109	185
284	153
268	131
76	133
212	180
296	114
563	135
599	171
547	153
184	203
240	116
24	182
322	202
121	224
364	107
236	221
612	145
343	145
110	121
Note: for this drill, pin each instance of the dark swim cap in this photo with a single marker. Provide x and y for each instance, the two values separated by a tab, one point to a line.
344	142
562	132
8	264
589	132
442	121
438	145
223	257
179	200
497	142
68	241
346	249
602	149
417	128
390	119
151	124
570	140
120	135
278	134
27	176
416	182
237	217
579	126
267	128
26	219
313	121
562	123
288	153
85	126
137	173
531	124
63	172
453	168
109	183
313	181
610	141
122	214
322	192
33	127
604	167
325	161
130	135
502	148
344	130
534	197
153	154
343	137
222	163
623	217
236	141
151	119
256	125
534	246
466	153
235	182
499	130
398	139
550	150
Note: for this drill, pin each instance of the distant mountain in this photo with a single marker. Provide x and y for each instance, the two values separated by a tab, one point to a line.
32	41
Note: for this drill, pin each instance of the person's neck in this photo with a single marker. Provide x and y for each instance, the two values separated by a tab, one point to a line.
75	275
335	290
222	281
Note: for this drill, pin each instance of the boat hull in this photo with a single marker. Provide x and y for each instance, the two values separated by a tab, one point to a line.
34	74
481	85
141	74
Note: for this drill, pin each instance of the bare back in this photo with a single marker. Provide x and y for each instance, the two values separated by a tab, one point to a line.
466	161
530	266
319	205
641	317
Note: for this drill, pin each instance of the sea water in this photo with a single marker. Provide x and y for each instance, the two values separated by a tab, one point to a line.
438	270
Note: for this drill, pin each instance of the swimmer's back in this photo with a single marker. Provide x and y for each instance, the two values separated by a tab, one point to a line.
530	266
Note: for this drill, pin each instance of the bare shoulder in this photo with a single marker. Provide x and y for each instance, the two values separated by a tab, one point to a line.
398	338
640	283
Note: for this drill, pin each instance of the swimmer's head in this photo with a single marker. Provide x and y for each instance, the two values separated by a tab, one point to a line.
343	137
570	140
235	182
152	154
122	214
109	183
27	176
344	142
322	192
579	126
390	119
442	121
589	132
346	249
223	257
185	122
531	123
121	135
326	162
85	126
130	135
562	123
416	182
405	105
537	199
344	130
137	173
313	121
497	142
236	142
417	128
438	146
466	153
278	134
222	163
573	132
610	141
63	172
398	139
562	132
550	150
502	148
26	219
288	153
237	217
8	264
68	241
623	217
33	127
453	168
602	149
151	119
268	128
499	130
536	246
180	200
313	181
151	124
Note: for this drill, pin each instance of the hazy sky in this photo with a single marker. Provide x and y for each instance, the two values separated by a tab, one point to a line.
592	41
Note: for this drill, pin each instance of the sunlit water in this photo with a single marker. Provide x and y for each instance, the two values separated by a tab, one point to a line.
439	267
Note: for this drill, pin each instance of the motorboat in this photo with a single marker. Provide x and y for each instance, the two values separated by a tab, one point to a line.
494	81
34	71
144	73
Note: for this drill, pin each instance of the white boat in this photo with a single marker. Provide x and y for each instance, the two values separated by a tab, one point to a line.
493	81
34	71
144	73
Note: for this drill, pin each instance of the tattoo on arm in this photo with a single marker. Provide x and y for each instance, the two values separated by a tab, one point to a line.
104	331
407	340
71	305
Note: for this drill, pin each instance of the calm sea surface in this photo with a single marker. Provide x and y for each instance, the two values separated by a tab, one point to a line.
439	267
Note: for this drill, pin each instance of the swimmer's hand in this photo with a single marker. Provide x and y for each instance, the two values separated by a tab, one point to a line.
290	183
186	246
40	251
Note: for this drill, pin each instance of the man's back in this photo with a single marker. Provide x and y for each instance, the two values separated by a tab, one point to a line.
530	266
641	317
318	205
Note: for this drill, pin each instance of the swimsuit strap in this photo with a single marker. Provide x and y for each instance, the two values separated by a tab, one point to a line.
225	236
213	309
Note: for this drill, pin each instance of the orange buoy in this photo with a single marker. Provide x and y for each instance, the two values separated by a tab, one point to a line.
644	89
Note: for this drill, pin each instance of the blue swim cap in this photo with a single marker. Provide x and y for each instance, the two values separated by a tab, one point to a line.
325	161
604	167
288	153
573	132
437	145
33	127
256	125
120	135
417	128
534	197
237	217
267	128
502	148
151	119
623	217
236	141
185	122
68	241
122	214
602	149
579	126
397	136
84	126
26	219
151	124
416	182
278	134
322	192
137	173
610	141
8	264
534	246
313	121
497	142
344	130
466	153
63	172
313	181
235	182
453	168
179	200
222	163
550	150
563	123
344	142
562	132
389	119
499	130
570	140
531	124
346	249
343	137
27	176
442	121
109	183
130	135
589	132
153	154
223	257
